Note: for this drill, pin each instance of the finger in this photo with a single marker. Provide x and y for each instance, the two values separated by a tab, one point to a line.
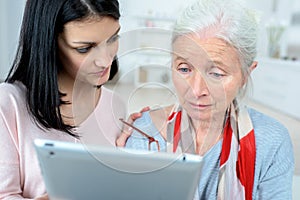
44	197
127	131
147	108
121	140
134	116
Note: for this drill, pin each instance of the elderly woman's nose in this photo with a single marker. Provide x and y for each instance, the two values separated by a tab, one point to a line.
198	85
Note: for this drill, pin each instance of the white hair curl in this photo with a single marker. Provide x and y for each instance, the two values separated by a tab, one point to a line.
230	20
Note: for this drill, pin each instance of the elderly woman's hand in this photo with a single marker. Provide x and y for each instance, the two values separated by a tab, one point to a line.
126	132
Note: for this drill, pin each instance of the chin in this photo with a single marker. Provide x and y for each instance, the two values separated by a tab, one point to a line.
199	115
100	81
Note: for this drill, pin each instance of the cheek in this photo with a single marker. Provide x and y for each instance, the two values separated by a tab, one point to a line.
180	85
75	64
230	91
114	49
71	62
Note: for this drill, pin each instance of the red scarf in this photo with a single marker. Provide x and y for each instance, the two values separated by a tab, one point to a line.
237	159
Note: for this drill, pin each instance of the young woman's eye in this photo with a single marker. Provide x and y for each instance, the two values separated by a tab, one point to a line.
83	50
113	39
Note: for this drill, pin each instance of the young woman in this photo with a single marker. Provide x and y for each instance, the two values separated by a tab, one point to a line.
54	90
247	155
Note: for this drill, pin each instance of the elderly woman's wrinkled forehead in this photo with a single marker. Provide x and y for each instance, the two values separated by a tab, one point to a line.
203	49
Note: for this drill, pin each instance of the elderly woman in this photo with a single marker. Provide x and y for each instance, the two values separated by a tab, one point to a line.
247	155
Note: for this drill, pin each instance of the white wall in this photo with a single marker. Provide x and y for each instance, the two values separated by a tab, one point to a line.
275	85
3	36
10	22
273	11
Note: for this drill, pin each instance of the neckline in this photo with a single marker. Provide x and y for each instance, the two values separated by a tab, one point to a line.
104	92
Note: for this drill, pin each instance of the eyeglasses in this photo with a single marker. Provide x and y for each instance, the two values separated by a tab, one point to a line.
150	138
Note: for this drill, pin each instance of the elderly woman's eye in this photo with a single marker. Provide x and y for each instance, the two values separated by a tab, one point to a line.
216	75
184	70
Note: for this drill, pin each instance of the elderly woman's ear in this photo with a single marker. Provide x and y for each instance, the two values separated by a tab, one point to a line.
253	66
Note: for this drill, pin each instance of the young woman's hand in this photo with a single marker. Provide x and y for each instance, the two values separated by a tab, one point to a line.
126	132
44	197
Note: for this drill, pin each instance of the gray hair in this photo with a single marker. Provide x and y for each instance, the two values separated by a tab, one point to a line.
228	20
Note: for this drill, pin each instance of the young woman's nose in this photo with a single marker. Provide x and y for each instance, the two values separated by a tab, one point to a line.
199	85
103	57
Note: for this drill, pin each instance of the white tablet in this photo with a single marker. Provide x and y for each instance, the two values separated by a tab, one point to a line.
76	171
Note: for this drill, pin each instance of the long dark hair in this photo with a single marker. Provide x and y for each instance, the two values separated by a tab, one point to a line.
36	64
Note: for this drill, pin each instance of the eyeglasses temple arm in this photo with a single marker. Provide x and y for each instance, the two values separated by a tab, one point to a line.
140	131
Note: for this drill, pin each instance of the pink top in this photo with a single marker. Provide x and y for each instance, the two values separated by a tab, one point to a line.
20	176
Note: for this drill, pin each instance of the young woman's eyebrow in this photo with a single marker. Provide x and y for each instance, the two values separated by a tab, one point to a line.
116	33
89	43
93	43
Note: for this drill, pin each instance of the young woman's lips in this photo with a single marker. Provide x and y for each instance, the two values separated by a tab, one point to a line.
101	73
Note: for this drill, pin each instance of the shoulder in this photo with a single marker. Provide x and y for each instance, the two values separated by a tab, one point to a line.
12	106
274	163
270	134
265	126
12	93
273	142
12	88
